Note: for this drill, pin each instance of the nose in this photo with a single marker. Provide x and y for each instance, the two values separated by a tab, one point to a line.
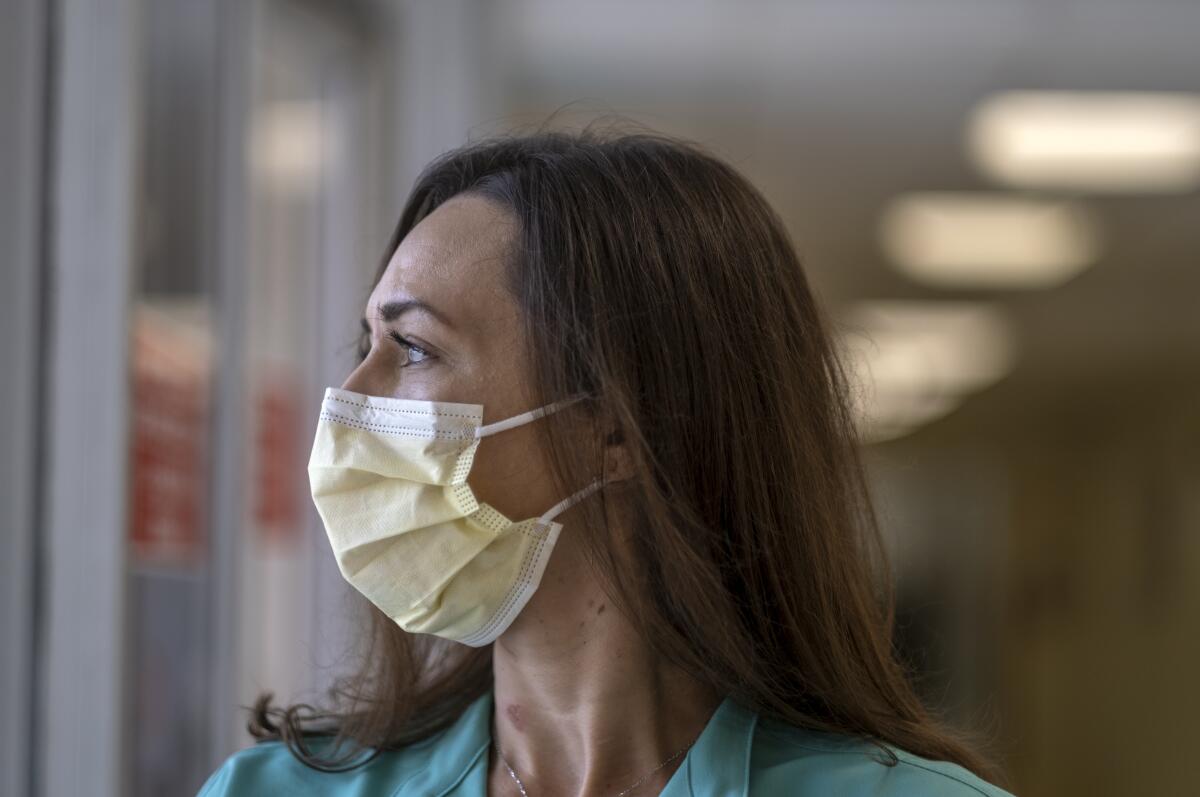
369	379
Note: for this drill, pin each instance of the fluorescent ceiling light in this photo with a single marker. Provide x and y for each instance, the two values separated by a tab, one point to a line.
987	240
914	362
286	145
1090	141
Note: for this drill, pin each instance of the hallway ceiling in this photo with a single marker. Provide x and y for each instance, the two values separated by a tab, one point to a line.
834	107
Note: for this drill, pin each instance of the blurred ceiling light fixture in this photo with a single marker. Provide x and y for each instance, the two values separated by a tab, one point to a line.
285	147
1090	141
913	362
986	240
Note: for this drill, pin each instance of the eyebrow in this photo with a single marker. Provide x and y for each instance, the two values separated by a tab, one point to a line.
390	311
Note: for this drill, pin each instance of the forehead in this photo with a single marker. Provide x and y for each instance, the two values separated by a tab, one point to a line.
456	260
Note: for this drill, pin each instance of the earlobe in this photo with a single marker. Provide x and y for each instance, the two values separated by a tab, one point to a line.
618	465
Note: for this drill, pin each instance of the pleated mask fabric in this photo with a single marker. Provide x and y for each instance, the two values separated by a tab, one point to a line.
389	480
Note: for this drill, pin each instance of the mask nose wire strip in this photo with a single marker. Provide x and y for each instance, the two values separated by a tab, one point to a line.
569	501
525	417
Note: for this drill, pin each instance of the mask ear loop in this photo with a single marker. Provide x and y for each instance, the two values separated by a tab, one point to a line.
525	417
569	501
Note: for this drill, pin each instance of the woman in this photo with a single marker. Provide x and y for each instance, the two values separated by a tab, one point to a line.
671	422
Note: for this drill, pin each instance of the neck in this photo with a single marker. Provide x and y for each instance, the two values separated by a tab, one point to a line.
582	707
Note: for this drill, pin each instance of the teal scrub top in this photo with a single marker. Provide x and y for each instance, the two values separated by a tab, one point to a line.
737	755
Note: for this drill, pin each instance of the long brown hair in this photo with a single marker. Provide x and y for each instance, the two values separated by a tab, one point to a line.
656	278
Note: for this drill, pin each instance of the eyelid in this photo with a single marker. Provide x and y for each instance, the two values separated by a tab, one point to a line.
410	346
403	341
365	342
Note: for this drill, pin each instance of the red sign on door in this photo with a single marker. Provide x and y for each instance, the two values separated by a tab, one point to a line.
169	436
280	460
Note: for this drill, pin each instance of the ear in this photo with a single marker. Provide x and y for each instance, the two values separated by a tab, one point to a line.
618	464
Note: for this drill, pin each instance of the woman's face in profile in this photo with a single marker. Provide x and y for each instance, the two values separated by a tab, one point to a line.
442	326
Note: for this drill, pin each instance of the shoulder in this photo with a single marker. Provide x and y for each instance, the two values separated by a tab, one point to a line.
788	760
270	768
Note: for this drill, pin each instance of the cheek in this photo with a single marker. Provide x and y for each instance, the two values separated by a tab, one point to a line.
511	474
493	370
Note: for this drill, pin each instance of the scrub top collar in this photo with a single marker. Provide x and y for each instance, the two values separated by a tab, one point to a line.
717	764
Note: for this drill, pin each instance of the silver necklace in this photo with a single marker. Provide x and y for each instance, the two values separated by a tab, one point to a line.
639	782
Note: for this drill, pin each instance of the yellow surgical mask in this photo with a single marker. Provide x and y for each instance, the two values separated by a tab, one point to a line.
389	479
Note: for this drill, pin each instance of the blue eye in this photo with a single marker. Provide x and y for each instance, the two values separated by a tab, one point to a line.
415	353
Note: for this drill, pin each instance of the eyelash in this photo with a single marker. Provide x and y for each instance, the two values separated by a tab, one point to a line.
364	348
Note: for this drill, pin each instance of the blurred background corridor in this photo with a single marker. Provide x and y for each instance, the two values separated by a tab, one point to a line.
997	200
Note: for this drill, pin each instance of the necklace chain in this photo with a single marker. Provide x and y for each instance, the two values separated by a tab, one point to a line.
628	789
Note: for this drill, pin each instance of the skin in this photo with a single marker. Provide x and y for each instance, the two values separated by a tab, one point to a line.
581	705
